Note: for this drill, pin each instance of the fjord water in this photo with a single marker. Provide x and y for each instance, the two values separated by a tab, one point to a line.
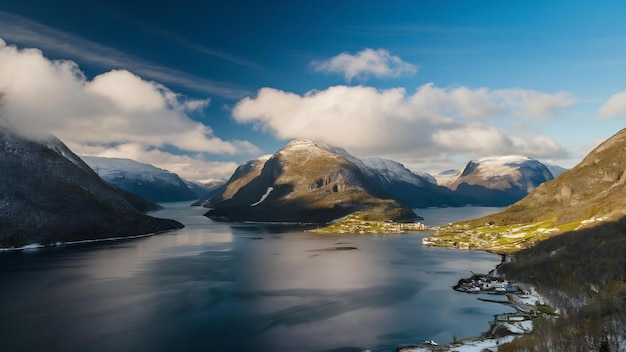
234	287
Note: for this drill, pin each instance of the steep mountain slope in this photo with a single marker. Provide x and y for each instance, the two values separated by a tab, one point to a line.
498	181
303	182
582	271
49	195
144	180
593	189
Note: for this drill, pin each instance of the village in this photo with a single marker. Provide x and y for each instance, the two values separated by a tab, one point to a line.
486	284
489	237
356	224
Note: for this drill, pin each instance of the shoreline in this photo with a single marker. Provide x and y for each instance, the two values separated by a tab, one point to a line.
36	246
504	328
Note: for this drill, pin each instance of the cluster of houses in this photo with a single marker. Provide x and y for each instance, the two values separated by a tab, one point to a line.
410	226
379	227
488	284
444	242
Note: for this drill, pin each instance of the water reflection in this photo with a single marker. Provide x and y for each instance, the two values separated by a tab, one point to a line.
230	288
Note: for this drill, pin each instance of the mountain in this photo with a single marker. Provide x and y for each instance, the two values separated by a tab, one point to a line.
496	181
592	190
149	182
50	195
307	182
206	189
389	179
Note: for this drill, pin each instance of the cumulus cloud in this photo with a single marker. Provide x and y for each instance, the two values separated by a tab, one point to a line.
615	106
42	96
366	63
432	121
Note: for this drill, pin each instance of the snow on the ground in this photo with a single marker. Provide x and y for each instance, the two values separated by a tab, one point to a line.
477	346
34	246
267	193
25	247
529	299
521	327
469	346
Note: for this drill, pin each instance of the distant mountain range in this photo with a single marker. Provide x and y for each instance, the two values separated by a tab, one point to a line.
50	195
308	181
495	181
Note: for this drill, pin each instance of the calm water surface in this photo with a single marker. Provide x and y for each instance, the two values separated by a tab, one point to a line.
224	287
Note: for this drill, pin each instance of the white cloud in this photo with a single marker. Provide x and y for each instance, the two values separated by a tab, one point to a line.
432	121
43	96
366	63
615	106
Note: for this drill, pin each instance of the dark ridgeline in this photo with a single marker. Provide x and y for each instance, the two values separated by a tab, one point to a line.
50	195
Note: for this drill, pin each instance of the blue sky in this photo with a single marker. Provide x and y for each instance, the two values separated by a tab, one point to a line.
200	86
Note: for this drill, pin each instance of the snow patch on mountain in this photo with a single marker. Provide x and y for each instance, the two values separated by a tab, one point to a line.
305	147
263	197
502	165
